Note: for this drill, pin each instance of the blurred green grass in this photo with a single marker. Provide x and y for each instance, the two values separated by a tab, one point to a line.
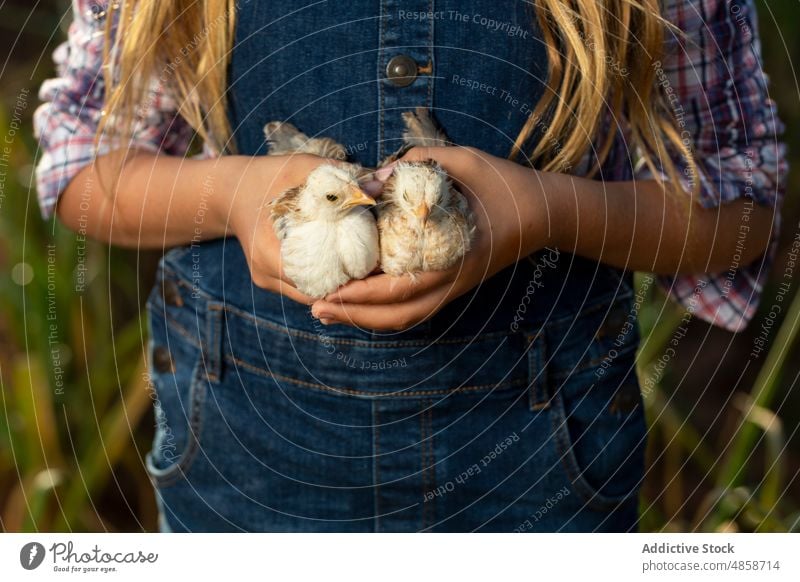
76	417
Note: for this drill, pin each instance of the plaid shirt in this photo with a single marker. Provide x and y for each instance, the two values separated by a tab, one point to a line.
711	77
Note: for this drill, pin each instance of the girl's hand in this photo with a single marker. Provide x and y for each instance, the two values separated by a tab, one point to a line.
511	215
251	183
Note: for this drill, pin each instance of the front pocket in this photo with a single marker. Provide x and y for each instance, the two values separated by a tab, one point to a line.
600	440
177	440
178	379
592	396
330	361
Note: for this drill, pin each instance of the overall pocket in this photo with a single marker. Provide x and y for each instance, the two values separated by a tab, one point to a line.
596	407
178	379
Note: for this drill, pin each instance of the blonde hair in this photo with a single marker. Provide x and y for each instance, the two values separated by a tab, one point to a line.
185	45
603	56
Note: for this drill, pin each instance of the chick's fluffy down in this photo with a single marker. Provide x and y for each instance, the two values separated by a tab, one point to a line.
320	258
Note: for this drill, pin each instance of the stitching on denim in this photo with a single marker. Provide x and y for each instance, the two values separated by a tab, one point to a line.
199	293
596	305
565	449
376	465
353	392
173	324
261	322
431	76
423	459
197	394
430	462
590	364
538	398
550	326
214	325
381	89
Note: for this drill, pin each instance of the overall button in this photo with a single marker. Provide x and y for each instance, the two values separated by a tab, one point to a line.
162	360
172	296
401	71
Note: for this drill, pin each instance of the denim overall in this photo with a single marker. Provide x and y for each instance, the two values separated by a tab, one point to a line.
515	408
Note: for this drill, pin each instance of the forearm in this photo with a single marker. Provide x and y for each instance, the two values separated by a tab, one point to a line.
156	201
640	226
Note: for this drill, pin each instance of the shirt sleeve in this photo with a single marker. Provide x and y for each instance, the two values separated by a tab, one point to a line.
713	81
66	122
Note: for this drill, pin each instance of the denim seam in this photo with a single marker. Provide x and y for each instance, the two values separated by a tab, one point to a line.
423	472
173	324
593	363
376	467
354	392
431	76
538	393
429	465
214	323
565	449
261	322
178	471
382	57
596	304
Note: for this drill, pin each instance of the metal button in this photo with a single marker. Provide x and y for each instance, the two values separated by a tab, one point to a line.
401	71
171	294
162	360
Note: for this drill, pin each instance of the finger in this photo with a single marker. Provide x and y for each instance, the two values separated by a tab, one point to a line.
454	159
288	290
383	173
383	288
372	187
459	166
379	317
421	153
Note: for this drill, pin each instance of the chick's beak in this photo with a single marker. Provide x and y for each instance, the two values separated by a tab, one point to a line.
422	212
358	198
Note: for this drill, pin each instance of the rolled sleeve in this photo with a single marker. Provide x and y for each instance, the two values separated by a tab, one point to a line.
713	82
66	122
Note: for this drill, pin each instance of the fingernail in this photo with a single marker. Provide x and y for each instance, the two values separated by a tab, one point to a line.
325	321
324	316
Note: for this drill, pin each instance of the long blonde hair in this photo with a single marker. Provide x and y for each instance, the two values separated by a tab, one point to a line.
603	58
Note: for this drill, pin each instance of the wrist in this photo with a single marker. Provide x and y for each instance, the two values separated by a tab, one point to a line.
227	182
556	211
541	211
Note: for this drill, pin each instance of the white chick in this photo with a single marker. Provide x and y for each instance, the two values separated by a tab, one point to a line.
425	223
328	235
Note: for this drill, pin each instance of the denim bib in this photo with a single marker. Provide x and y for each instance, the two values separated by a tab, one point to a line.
323	67
280	423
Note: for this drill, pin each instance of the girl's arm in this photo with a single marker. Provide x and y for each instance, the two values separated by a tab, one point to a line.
161	201
632	225
641	226
710	248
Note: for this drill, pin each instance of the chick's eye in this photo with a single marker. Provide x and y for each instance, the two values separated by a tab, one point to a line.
332	197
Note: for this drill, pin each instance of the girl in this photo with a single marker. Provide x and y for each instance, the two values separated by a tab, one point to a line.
598	138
